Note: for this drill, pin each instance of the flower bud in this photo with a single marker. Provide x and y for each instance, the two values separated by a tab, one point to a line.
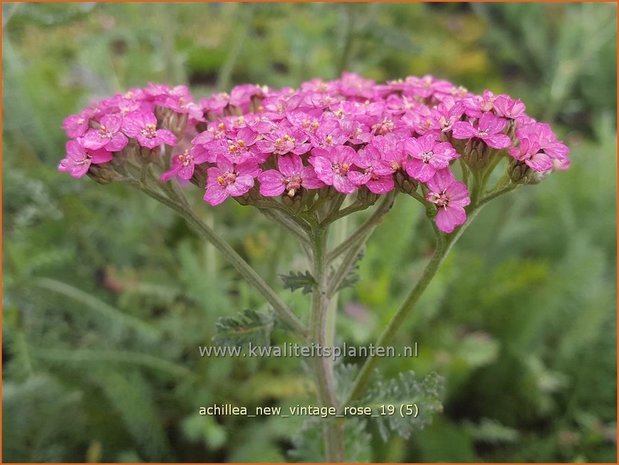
199	176
405	183
518	172
477	156
104	174
365	196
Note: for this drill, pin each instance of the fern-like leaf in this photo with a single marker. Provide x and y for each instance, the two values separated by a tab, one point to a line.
299	280
248	326
423	397
352	277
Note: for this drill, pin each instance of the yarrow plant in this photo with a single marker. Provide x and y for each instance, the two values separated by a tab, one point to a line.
309	156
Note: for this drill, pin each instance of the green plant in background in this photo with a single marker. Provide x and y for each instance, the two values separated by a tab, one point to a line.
480	345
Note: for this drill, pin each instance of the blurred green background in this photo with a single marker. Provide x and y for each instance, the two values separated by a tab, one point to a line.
107	294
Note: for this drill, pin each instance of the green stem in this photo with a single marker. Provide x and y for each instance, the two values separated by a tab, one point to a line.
364	231
352	208
444	245
333	431
232	256
286	222
496	193
340	233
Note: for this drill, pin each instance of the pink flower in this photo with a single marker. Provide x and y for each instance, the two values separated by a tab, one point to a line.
229	180
489	129
76	125
142	126
353	85
241	95
216	103
377	174
78	159
450	196
167	96
475	105
539	148
422	120
284	140
333	166
183	165
530	152
507	107
237	147
448	112
328	134
292	175
391	149
427	156
107	136
427	87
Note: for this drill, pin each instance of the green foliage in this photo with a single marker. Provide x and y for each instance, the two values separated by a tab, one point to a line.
132	400
247	327
299	280
491	431
106	295
414	402
353	275
50	437
308	445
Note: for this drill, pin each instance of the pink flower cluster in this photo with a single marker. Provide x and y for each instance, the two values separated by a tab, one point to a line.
106	127
349	134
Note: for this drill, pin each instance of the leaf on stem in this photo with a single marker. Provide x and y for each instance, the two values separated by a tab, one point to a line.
299	280
345	374
247	326
405	403
353	276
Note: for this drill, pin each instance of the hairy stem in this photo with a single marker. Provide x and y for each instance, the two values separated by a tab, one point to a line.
444	245
333	431
286	222
363	232
180	205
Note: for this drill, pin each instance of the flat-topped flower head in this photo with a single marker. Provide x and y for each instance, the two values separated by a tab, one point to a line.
142	126
450	197
78	158
346	135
